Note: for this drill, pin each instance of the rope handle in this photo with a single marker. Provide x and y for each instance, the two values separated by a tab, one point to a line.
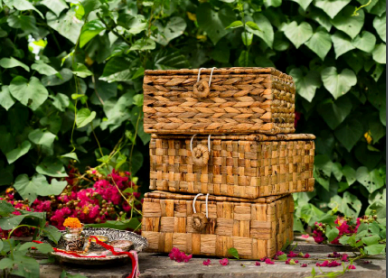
211	75
206	201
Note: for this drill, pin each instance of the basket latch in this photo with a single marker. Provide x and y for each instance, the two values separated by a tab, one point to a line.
202	88
199	219
200	153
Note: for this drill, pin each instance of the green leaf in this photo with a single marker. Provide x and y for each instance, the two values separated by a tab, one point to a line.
116	70
332	8
30	93
351	25
337	171
303	3
22	5
380	54
70	155
319	16
15	154
371	240
84	117
68	25
82	71
43	68
335	112
265	32
60	78
6	208
52	233
173	29
247	38
143	44
6	100
233	252
44	138
214	22
52	167
57	6
61	102
349	132
134	25
9	63
42	247
25	22
136	162
307	85
117	111
338	84
273	3
342	44
6	263
366	41
27	188
55	188
90	30
375	249
320	43
354	202
235	24
331	233
350	174
250	25
380	24
298	34
372	180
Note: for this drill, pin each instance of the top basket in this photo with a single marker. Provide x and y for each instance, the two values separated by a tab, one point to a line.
211	101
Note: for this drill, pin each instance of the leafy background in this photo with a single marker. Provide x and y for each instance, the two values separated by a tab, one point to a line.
71	84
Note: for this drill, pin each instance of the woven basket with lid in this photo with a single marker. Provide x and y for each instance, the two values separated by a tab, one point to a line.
238	100
256	228
246	166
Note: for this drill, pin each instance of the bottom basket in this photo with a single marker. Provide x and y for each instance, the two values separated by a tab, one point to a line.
256	228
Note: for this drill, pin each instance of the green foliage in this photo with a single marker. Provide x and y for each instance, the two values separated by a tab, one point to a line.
71	84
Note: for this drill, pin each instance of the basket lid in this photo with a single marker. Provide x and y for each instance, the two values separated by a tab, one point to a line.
220	71
251	137
176	196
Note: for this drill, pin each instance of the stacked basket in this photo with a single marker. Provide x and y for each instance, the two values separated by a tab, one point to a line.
224	161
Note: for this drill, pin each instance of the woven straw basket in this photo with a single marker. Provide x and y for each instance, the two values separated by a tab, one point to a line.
249	166
214	101
256	228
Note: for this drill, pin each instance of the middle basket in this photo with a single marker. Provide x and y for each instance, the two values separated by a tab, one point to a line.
250	166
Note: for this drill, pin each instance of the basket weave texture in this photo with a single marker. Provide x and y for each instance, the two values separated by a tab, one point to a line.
250	166
256	228
239	100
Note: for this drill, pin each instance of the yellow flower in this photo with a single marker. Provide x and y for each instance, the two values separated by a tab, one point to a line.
72	222
368	136
192	17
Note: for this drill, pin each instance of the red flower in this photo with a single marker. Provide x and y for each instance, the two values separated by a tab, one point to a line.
291	254
257	263
351	267
306	256
305	236
206	262
279	253
303	265
224	262
268	261
334	264
344	258
325	263
318	236
179	256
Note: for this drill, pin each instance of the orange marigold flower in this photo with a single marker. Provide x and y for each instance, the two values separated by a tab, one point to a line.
72	222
